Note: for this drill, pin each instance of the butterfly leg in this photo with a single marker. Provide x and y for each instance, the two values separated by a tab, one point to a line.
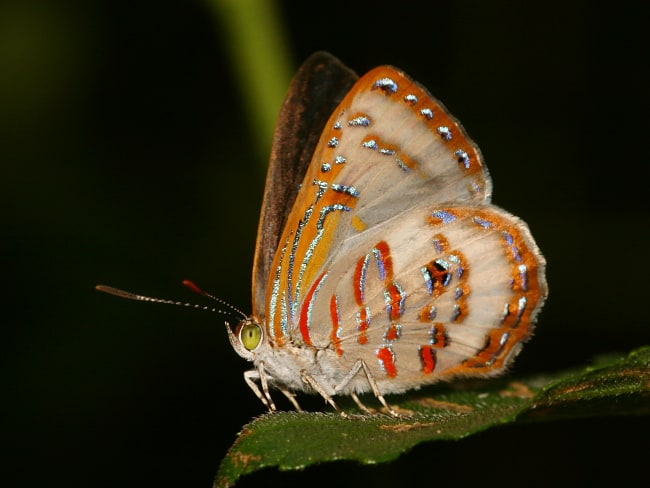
311	381
358	366
291	397
263	394
360	404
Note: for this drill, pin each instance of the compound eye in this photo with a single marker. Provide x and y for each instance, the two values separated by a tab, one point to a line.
250	335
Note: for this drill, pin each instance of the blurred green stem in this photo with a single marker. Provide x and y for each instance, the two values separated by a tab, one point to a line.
253	35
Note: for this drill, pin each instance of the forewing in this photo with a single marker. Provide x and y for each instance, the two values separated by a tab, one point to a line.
388	146
317	88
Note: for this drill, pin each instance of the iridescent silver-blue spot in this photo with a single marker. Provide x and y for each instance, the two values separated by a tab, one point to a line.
433	312
333	142
411	99
333	207
350	190
445	133
514	249
321	184
433	334
322	187
402	165
437	243
387	85
338	332
486	224
428	279
275	291
521	308
371	144
522	303
387	152
516	253
506	312
362	279
446	217
458	293
363	324
380	263
293	292
339	160
455	312
388	298
360	121
326	167
523	272
427	113
458	262
338	125
284	314
463	158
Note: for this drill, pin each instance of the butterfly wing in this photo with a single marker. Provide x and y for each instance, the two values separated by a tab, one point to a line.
453	291
392	248
317	88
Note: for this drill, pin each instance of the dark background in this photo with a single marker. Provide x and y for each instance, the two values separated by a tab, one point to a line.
128	159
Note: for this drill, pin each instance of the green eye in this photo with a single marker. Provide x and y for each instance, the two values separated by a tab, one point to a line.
250	335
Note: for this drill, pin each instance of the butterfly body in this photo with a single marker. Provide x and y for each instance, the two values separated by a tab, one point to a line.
393	269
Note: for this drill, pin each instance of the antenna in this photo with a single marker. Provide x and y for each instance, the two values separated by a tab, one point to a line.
191	285
196	289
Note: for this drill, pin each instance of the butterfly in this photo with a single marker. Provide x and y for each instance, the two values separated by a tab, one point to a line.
381	264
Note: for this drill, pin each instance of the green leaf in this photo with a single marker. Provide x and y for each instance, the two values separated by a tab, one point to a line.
612	386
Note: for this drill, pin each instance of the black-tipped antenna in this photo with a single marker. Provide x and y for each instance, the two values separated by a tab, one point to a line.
142	298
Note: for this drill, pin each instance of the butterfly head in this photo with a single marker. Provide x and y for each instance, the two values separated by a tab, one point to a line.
247	338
